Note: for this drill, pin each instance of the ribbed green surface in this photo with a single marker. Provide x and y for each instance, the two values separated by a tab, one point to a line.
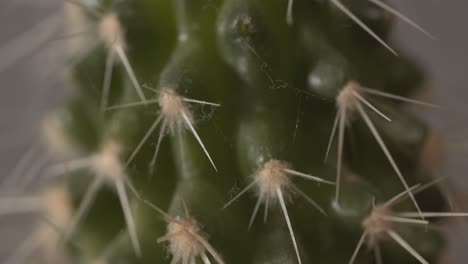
242	55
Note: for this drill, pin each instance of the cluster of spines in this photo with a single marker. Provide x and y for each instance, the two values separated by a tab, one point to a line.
245	53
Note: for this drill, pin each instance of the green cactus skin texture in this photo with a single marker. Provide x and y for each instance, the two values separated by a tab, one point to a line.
232	97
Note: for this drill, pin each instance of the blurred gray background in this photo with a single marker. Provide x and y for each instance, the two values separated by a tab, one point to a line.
26	92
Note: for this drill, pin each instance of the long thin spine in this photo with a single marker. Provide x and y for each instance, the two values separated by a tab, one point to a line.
384	148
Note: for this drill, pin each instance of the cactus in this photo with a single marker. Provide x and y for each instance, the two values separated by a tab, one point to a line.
192	118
